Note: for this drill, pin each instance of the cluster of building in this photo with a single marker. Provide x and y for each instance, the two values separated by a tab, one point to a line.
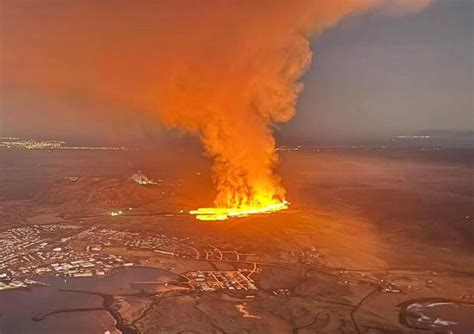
410	137
282	293
16	245
46	249
38	249
24	244
73	251
215	280
30	144
142	179
98	238
7	283
289	148
13	143
82	264
389	287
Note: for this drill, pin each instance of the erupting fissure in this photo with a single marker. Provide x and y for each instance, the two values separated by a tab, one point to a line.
243	211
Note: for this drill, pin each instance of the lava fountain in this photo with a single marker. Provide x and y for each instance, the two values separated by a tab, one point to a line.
234	98
226	213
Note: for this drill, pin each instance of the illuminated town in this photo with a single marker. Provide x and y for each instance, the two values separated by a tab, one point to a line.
13	143
53	250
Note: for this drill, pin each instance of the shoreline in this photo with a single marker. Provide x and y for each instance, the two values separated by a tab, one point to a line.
107	302
107	299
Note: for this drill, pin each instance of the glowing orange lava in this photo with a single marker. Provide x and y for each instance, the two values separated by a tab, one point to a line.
243	211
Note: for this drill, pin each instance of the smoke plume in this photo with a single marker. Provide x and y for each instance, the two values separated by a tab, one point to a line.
224	70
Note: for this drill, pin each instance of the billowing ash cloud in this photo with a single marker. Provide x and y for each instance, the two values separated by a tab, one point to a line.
224	70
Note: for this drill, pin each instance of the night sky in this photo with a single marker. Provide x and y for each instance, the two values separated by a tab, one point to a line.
379	76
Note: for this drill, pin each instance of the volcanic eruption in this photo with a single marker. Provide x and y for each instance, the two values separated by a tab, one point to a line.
227	71
238	81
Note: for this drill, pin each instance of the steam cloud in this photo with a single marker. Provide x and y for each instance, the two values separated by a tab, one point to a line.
225	70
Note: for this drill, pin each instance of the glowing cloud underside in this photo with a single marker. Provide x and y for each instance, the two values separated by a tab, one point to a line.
226	213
